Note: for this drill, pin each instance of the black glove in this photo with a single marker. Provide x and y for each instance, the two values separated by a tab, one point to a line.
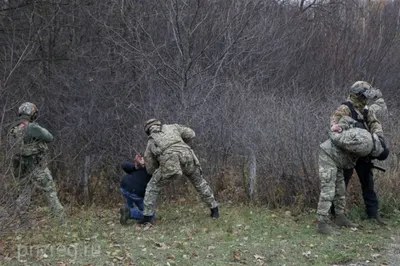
383	156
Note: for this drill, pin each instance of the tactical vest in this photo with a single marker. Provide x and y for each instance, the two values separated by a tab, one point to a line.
17	139
361	122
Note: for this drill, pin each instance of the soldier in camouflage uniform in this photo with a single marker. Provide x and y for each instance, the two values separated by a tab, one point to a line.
331	162
28	141
355	106
167	157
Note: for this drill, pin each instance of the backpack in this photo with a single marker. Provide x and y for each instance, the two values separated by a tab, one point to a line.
16	136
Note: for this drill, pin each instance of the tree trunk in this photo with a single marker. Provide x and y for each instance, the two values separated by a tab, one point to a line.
86	181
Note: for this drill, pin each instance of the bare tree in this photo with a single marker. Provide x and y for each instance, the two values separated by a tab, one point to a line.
257	80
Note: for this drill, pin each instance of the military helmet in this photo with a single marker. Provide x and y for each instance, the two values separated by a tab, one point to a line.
362	88
28	109
149	123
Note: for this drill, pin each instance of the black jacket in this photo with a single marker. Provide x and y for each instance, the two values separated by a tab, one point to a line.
136	179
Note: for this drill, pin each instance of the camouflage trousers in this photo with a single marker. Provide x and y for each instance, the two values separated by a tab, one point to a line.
333	188
174	164
42	179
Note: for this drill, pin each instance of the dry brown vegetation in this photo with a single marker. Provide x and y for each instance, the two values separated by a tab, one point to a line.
256	80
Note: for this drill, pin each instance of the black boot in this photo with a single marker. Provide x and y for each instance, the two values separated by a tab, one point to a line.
342	220
378	220
124	215
324	228
147	219
214	213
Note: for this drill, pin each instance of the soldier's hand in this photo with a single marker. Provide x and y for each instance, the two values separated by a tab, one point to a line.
336	128
382	140
188	141
378	94
139	159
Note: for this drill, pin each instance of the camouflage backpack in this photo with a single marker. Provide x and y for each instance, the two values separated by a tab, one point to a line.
16	137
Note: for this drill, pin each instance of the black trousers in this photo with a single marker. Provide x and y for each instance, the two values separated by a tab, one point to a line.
365	175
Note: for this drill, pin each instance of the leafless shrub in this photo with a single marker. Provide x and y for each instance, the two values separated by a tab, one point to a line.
250	77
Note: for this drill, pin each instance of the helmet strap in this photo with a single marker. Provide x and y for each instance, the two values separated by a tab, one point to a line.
34	116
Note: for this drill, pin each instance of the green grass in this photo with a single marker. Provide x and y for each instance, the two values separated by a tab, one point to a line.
185	235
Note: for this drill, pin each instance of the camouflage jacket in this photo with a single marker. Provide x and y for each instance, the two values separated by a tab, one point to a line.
342	159
32	137
163	139
379	108
372	124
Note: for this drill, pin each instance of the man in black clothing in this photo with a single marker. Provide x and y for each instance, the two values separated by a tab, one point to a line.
356	107
364	171
133	187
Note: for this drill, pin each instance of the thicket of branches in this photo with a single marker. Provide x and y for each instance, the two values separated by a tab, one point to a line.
256	80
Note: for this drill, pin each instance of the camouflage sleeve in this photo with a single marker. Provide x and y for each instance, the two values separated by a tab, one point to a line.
150	159
379	107
343	110
374	124
40	133
186	132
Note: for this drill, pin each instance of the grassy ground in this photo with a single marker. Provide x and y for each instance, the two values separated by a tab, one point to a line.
185	235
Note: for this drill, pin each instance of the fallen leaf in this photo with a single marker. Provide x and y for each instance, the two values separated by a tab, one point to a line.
161	245
194	254
115	252
258	257
375	256
307	254
236	255
148	227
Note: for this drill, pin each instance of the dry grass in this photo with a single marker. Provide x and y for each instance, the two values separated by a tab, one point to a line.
185	235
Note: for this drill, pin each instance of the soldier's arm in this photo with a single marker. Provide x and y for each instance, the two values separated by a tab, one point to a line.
340	112
186	132
380	109
39	133
374	124
150	160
